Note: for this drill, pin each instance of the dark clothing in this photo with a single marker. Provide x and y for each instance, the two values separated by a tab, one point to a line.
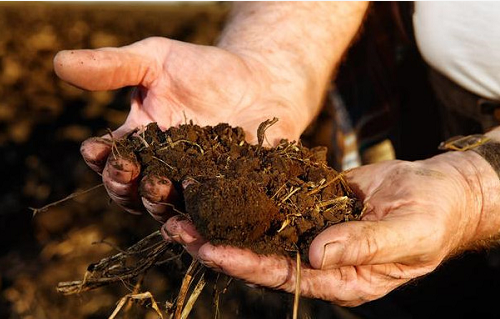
461	111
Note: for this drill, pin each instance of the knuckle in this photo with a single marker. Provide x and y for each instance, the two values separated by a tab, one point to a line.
286	280
363	247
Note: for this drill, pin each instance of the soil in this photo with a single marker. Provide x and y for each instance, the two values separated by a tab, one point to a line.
42	123
271	200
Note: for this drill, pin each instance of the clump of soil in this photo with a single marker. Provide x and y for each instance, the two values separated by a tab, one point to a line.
271	200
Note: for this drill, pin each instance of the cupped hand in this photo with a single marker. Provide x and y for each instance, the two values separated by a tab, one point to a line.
175	82
417	215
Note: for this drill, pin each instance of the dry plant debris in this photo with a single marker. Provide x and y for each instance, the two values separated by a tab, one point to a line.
271	200
122	266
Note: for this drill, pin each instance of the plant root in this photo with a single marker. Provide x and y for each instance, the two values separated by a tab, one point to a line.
194	296
123	266
186	283
296	298
70	196
140	296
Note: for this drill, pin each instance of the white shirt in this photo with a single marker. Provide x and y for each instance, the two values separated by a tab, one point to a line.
462	41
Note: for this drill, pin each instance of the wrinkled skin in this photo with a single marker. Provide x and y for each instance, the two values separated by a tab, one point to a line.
417	213
175	81
405	233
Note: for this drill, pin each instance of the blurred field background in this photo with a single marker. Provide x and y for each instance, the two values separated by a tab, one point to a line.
42	123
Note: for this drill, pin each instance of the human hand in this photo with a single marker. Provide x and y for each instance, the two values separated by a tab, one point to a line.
176	82
417	215
260	70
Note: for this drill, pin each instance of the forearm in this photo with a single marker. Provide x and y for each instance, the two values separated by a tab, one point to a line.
301	43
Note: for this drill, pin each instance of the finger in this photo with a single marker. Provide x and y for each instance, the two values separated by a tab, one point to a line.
95	152
183	232
158	197
346	286
275	272
403	240
120	178
108	68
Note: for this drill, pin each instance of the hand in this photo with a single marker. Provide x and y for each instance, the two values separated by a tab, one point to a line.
177	81
260	70
417	215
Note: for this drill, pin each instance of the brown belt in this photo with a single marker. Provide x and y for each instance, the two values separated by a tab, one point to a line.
463	106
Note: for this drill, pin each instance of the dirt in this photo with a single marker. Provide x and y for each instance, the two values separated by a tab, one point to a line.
42	123
273	200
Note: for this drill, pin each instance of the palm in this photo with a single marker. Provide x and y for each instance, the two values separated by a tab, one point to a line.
177	82
207	85
413	209
411	224
418	197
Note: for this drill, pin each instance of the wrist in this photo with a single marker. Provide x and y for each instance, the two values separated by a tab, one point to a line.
298	44
478	198
489	178
271	35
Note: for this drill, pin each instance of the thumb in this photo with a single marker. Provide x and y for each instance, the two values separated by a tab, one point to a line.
373	242
110	68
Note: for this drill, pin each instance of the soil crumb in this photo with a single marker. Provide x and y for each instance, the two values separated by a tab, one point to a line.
271	200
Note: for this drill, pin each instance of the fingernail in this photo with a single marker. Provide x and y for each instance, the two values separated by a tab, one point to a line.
122	164
95	152
122	171
331	255
187	239
166	234
157	189
175	231
171	228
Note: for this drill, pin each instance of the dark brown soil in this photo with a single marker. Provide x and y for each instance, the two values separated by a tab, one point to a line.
272	200
42	124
